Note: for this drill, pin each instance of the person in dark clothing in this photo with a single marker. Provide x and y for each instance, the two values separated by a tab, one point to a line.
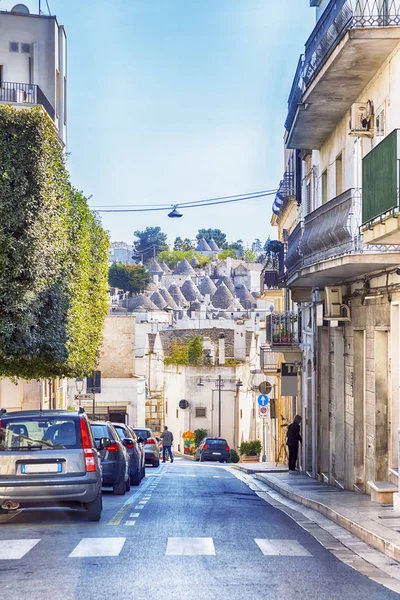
167	439
293	439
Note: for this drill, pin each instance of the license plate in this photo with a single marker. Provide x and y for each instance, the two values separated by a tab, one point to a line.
42	468
217	453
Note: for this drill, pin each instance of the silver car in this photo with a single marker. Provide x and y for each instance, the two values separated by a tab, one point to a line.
47	458
151	445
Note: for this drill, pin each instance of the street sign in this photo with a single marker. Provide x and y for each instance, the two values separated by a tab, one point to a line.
263	411
263	400
183	404
84	396
265	387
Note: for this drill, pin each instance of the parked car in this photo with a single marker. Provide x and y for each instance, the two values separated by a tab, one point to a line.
213	449
140	446
151	447
136	456
49	457
114	457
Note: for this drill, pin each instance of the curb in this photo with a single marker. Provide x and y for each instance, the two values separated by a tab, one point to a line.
249	471
366	535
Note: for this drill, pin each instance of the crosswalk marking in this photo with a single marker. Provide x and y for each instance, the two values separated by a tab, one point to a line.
134	515
190	547
16	549
281	548
139	507
130	523
143	502
89	547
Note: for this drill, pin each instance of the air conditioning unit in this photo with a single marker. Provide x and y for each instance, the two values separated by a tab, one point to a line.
335	310
362	119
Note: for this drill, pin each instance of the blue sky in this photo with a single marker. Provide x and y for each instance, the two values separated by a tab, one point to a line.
179	100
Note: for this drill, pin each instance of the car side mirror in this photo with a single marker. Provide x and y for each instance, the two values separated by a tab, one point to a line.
140	440
128	443
104	443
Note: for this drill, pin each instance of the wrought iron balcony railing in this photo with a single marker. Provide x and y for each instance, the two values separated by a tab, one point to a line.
294	257
269	359
284	329
338	17
24	93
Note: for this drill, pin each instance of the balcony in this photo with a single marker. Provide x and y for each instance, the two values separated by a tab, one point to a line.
348	45
381	202
328	248
283	330
269	360
23	94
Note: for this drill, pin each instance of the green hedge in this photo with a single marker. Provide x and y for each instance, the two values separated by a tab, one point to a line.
53	256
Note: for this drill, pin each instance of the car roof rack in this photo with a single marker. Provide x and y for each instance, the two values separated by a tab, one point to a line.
81	409
2	411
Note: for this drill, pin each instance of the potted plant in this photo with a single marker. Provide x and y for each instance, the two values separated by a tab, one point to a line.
250	451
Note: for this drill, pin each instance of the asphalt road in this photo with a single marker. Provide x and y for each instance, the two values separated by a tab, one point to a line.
189	531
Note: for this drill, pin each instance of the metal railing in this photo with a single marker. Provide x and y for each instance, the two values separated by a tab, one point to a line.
294	257
284	328
24	93
269	360
338	17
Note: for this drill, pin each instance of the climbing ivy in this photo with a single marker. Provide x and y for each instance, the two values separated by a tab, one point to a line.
53	256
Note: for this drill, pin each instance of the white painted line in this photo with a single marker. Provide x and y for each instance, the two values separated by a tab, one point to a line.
134	515
281	548
190	547
216	476
16	549
98	547
130	523
139	507
143	502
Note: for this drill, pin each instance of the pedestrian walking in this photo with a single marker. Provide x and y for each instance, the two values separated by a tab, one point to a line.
167	439
293	439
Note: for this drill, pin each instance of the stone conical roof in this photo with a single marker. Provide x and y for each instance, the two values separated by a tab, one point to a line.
168	298
203	246
158	300
246	299
222	298
207	286
194	262
165	268
140	301
151	287
190	291
177	295
154	268
213	246
184	268
228	282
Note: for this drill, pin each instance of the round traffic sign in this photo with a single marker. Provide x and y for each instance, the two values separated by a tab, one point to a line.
263	400
265	387
263	410
183	404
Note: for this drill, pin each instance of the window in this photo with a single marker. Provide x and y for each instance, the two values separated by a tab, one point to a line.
25	48
200	412
339	175
241	413
324	186
166	408
14	47
40	433
177	413
380	125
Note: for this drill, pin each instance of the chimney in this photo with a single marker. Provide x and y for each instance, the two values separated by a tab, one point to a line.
239	345
221	350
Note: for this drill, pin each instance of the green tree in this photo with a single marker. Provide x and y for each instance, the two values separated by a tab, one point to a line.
226	254
216	234
178	243
195	351
149	242
173	257
256	245
187	245
129	278
199	435
249	255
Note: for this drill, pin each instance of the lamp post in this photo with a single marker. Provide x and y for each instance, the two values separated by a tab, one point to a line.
219	383
79	383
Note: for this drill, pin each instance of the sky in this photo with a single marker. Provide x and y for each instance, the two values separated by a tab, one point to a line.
178	100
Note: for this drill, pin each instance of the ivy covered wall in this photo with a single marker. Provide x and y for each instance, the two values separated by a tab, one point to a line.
53	256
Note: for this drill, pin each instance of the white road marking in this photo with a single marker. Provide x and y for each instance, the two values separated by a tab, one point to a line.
216	476
281	548
134	515
190	547
138	507
130	523
143	502
16	549
98	547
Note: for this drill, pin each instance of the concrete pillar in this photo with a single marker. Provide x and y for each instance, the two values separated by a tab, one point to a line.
381	405
221	350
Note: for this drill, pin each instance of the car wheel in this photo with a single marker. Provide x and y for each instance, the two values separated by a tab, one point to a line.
143	472
128	484
119	488
135	478
156	463
94	508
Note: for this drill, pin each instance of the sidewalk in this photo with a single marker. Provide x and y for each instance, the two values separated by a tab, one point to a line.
257	467
378	526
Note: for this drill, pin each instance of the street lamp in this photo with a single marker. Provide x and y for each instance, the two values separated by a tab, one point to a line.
220	382
79	383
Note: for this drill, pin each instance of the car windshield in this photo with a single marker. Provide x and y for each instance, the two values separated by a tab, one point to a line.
100	431
144	433
214	442
38	433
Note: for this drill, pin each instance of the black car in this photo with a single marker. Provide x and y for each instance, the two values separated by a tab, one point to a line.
213	449
129	439
140	447
114	457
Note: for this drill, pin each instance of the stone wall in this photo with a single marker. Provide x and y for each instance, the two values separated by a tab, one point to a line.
117	355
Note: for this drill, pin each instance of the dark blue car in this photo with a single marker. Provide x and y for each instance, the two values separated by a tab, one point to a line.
114	457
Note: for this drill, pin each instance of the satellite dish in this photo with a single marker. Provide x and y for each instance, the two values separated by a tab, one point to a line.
20	9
